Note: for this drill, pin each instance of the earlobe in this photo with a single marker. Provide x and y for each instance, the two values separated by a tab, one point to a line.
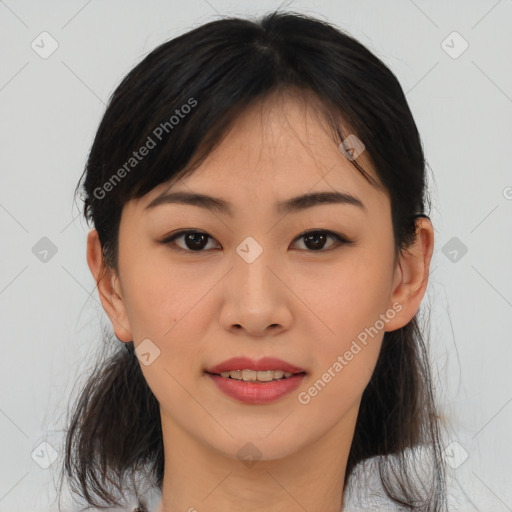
108	289
411	275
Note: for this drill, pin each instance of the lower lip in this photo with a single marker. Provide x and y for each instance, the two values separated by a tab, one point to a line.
257	392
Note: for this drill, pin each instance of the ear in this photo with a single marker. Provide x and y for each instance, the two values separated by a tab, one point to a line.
109	288
411	275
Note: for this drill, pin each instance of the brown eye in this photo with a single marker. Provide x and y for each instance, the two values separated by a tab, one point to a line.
316	240
194	241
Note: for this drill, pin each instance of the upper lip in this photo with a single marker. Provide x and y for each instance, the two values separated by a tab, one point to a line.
263	364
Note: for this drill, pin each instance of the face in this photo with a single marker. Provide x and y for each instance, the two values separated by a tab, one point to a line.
252	284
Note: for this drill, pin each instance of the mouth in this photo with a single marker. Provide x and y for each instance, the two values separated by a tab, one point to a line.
256	387
265	369
260	376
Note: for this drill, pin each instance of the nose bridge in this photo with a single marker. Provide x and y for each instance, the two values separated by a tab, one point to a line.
254	298
251	270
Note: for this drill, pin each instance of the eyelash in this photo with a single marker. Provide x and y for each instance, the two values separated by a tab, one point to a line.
340	238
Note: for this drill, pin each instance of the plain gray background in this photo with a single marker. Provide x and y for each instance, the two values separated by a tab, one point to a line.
50	108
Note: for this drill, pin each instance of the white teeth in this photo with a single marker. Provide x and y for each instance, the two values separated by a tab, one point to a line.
253	376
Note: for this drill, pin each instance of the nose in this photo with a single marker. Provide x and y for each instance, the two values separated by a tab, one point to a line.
257	301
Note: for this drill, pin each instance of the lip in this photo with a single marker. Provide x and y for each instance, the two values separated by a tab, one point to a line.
257	392
263	364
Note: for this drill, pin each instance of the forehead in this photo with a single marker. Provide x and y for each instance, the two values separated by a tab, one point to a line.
283	140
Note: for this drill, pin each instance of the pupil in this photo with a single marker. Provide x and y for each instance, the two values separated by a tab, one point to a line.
316	236
190	237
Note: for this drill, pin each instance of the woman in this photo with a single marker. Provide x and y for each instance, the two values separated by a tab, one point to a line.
261	248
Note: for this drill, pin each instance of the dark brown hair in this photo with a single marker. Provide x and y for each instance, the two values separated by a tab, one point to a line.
218	70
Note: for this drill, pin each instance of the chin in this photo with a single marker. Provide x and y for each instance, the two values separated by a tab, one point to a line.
258	446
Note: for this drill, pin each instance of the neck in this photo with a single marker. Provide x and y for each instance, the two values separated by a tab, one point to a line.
199	477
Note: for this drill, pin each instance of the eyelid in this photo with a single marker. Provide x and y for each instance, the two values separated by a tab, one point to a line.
340	238
167	240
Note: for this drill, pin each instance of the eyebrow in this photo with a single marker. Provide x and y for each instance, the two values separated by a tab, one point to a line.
294	204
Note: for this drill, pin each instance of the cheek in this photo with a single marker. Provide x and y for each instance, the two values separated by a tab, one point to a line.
157	294
337	387
163	306
345	358
166	305
352	306
351	295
